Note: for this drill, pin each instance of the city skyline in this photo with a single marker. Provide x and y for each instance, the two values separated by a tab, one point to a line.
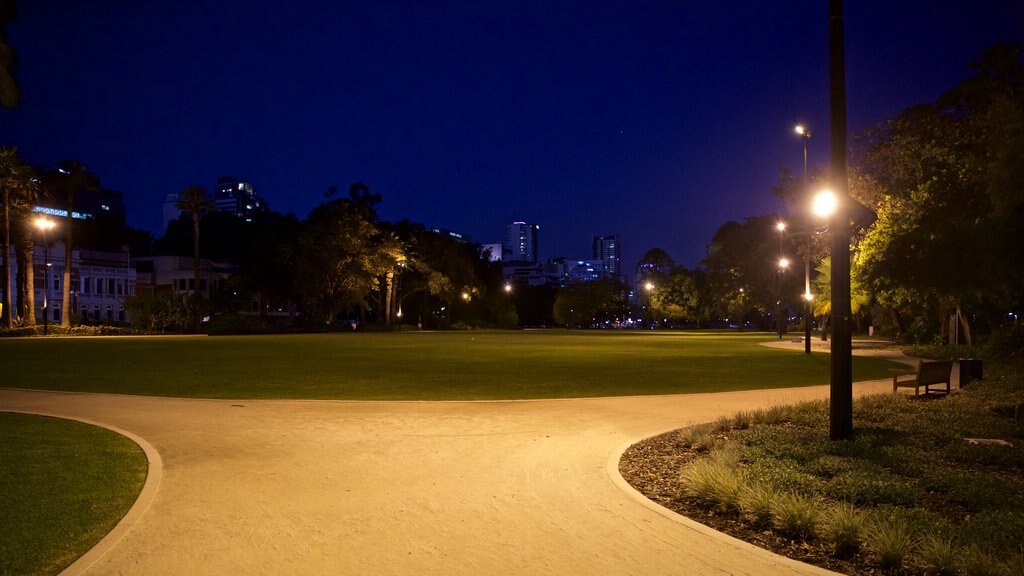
658	121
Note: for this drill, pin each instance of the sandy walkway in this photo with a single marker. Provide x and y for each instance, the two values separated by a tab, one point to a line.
325	487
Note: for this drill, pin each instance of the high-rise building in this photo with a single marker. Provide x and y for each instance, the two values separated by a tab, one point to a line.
521	242
238	198
608	250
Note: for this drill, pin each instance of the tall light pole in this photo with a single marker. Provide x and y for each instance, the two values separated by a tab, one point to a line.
805	135
44	225
783	264
841	359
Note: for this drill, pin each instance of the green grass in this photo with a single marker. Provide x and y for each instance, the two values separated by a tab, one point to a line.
477	365
63	486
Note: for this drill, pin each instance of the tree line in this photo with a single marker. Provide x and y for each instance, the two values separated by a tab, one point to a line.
939	226
939	235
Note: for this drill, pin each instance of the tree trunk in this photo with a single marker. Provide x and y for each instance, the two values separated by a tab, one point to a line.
27	288
967	327
8	311
389	285
197	296
65	297
897	323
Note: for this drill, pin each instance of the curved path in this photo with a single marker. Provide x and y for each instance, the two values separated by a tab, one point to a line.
329	487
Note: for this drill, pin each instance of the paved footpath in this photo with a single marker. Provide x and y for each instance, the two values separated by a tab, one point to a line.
330	487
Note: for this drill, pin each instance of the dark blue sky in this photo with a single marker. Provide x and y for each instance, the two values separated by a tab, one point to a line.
658	121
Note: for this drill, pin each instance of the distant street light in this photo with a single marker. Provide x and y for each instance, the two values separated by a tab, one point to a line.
783	264
805	136
44	225
508	288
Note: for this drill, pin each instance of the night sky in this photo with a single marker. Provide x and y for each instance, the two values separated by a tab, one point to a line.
657	121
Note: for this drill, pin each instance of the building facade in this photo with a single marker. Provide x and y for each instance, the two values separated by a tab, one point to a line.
521	242
608	250
100	283
236	197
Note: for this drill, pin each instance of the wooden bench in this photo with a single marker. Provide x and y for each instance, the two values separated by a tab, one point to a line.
928	374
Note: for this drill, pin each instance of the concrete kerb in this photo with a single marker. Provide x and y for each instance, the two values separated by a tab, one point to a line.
154	474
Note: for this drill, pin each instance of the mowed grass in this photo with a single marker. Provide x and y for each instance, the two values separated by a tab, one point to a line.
63	486
477	365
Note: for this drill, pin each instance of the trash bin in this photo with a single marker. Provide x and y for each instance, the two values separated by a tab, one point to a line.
970	369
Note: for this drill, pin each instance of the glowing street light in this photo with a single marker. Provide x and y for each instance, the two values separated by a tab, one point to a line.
508	288
649	286
783	263
45	225
805	137
825	203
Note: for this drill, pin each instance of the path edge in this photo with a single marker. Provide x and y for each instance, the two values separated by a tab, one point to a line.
154	474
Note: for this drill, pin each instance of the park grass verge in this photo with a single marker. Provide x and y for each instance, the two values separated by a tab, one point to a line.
476	365
907	494
63	486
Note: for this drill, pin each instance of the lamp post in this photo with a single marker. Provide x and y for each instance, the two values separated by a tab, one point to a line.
649	287
44	225
783	264
805	135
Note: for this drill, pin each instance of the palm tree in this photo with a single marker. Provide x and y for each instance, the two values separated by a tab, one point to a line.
70	177
195	201
19	190
10	94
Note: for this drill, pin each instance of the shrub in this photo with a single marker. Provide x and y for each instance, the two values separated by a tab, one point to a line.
845	527
796	516
939	556
890	539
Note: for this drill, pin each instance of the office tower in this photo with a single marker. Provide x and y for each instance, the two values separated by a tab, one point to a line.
521	242
608	250
238	198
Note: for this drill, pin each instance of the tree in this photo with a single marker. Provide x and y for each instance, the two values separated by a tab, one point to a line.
336	254
681	297
742	267
10	94
949	217
19	192
69	178
588	304
195	201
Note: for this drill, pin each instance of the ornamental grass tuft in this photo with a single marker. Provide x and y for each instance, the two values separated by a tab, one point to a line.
890	540
845	527
797	517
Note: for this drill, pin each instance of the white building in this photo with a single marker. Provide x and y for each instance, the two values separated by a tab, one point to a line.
100	283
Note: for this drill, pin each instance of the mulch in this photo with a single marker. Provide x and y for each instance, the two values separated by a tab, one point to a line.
653	467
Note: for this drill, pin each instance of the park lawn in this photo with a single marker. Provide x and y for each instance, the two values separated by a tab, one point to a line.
63	486
473	365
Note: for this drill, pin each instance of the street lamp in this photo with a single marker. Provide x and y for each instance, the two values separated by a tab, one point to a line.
805	135
44	225
825	203
783	264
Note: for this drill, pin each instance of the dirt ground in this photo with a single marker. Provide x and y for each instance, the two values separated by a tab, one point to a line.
330	487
